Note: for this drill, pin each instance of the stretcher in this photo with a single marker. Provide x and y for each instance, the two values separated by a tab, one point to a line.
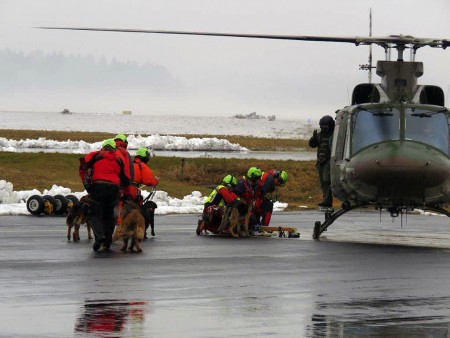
282	231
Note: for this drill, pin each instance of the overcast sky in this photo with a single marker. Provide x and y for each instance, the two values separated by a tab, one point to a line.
224	76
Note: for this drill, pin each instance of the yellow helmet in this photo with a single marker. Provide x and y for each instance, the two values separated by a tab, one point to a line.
121	137
109	143
143	153
254	173
282	177
229	180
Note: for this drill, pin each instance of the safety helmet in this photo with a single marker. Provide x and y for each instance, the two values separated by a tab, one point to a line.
229	180
143	153
121	137
254	173
109	143
327	120
282	177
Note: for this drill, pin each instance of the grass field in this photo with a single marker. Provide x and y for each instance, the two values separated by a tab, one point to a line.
41	170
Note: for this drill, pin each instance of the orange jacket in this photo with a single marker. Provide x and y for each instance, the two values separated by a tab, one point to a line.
143	174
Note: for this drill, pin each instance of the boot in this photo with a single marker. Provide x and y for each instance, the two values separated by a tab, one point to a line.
200	227
98	243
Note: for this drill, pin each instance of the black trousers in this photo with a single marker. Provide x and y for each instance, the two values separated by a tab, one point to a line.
325	182
104	198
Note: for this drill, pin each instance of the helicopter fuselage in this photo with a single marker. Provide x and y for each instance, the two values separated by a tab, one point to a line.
391	155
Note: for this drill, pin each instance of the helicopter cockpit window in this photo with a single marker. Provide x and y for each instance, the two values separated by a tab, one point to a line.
428	127
374	126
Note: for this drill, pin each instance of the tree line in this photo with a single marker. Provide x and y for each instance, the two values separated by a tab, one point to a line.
57	70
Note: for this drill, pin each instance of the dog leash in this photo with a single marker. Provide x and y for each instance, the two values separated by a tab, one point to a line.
151	194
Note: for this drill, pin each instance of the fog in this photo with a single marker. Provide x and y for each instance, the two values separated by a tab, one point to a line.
160	74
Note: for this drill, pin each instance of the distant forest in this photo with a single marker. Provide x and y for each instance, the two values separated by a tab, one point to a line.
51	71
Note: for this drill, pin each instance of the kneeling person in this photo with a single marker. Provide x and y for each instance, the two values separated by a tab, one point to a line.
270	180
215	204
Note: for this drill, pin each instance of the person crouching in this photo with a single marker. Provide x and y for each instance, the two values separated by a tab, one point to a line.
214	206
270	180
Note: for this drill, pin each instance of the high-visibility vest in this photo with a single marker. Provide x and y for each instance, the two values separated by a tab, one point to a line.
215	198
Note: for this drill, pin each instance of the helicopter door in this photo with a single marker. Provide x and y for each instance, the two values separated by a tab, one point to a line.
339	138
338	155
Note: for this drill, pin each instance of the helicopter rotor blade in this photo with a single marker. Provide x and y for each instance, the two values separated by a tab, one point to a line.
386	41
255	36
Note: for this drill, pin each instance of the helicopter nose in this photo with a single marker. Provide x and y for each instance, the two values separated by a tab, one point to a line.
401	170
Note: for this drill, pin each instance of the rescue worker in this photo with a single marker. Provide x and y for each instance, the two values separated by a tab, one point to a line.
109	172
270	180
144	175
215	203
122	145
245	187
246	190
322	141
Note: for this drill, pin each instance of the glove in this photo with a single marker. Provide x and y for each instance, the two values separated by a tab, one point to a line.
268	196
315	133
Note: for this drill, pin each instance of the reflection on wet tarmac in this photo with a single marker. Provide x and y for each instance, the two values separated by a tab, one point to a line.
394	321
325	326
112	318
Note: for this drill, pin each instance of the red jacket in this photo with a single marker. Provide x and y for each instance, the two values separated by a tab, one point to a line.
267	183
108	166
122	147
143	174
227	195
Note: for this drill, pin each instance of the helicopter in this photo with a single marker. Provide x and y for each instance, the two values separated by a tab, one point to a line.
390	148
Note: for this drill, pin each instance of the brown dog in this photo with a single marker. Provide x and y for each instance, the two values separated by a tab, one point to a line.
236	216
131	228
76	216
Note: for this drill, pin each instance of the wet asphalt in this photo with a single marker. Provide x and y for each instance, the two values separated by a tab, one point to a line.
365	277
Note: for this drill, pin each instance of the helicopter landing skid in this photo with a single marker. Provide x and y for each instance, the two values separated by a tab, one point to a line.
327	210
330	217
439	210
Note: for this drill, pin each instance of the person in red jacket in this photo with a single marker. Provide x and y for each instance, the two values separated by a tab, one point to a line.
215	203
245	187
246	190
122	145
144	175
108	174
264	189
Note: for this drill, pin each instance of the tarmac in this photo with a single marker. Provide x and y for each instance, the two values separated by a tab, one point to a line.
367	276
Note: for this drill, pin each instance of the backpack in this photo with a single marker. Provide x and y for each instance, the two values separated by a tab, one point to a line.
85	174
85	170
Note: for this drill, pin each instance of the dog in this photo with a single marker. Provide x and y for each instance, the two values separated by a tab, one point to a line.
236	216
131	228
148	210
78	215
